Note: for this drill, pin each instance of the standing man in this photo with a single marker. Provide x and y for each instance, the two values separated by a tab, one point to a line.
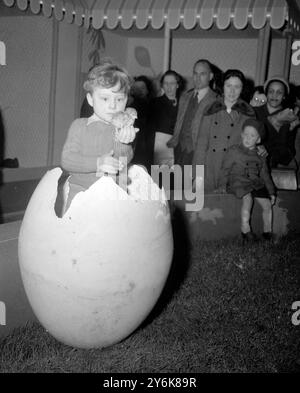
190	112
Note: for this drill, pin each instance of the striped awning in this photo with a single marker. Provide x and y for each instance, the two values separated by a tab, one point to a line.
157	13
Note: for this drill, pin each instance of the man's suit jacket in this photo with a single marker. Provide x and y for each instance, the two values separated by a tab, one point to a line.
183	104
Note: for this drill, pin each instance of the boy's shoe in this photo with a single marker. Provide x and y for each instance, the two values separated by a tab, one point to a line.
249	237
268	236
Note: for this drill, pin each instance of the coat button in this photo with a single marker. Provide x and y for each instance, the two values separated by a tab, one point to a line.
224	149
215	136
228	136
214	149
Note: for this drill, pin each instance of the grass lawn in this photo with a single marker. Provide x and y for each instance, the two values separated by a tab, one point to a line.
225	308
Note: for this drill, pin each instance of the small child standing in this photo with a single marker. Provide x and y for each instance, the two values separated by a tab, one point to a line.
246	175
100	144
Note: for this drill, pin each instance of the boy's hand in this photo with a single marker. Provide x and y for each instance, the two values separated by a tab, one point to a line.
273	200
262	151
126	134
171	143
108	164
123	122
197	183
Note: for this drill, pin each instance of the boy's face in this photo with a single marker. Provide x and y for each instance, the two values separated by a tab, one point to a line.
107	101
250	137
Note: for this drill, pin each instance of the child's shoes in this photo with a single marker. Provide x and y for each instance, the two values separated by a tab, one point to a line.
267	236
249	237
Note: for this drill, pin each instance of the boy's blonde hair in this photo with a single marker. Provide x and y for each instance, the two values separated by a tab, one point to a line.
107	75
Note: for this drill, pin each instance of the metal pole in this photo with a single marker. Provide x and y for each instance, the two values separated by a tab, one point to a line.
263	51
288	54
53	78
78	86
167	48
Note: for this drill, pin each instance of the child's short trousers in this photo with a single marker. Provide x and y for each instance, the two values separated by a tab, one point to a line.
261	193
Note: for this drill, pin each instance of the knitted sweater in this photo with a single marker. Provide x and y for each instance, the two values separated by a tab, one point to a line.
88	140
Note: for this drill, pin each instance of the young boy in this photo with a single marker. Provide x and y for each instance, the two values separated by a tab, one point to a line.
100	144
246	175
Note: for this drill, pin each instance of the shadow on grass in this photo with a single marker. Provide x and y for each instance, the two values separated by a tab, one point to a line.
179	266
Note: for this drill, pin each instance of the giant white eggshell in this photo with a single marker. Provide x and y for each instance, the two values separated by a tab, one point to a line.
94	275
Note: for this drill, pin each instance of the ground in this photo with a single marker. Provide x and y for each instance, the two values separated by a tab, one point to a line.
225	308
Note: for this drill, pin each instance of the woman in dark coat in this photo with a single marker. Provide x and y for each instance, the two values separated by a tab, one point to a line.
221	128
141	94
162	118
